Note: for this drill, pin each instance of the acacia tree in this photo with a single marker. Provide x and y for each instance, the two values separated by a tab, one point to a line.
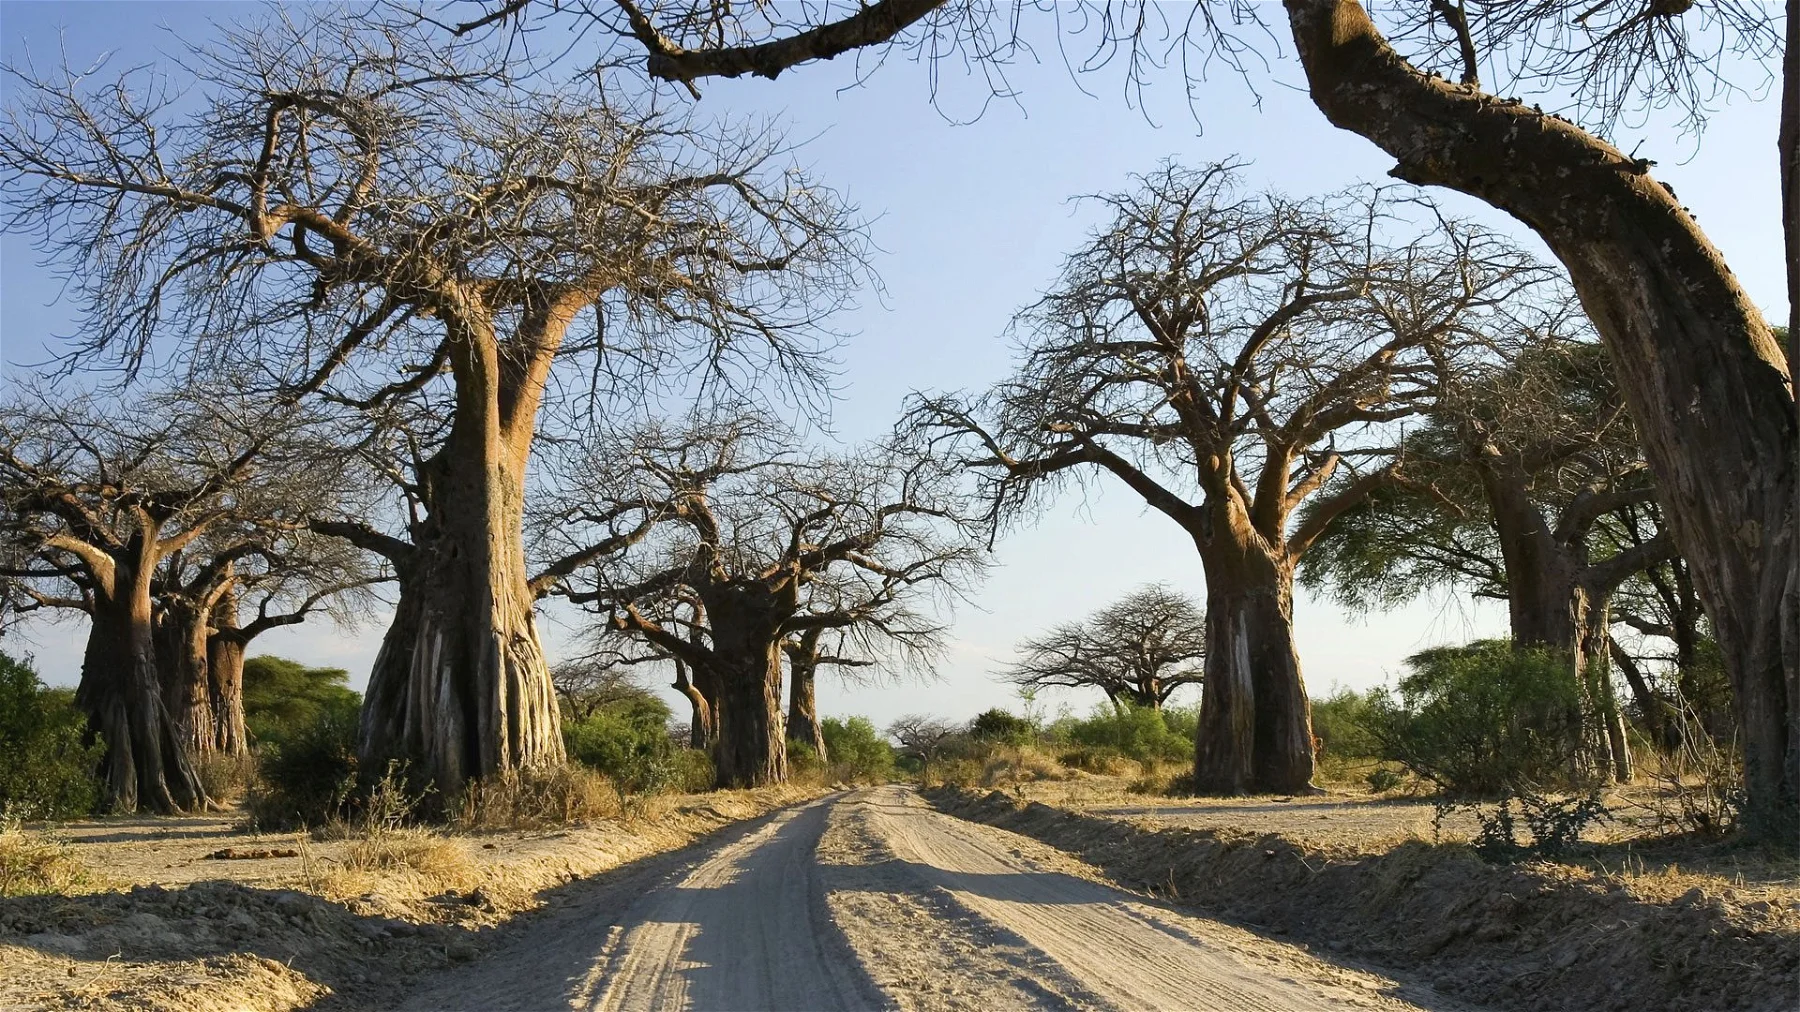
97	497
1713	390
364	213
1540	439
1209	342
1138	650
771	547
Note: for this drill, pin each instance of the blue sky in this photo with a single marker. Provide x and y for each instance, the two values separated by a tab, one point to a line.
973	220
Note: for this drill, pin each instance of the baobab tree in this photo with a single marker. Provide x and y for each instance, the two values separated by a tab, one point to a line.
1513	489
1138	650
363	213
286	571
771	545
1209	349
1713	389
97	497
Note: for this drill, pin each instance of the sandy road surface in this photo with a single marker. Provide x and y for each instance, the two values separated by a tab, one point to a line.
875	900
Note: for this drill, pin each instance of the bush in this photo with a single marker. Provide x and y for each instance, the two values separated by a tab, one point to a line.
803	762
998	727
1481	720
1134	732
282	697
306	776
1341	725
628	740
694	771
858	752
47	769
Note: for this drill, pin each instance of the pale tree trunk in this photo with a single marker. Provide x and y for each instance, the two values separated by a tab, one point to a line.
803	708
225	677
1705	378
146	764
1255	732
460	688
700	728
181	660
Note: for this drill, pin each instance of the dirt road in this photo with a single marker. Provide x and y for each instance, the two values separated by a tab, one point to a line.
874	900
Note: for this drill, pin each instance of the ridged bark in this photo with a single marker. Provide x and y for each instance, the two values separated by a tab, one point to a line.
1255	734
146	764
803	707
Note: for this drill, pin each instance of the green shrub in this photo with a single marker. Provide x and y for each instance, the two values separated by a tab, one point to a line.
628	740
998	727
307	774
1480	720
282	697
694	771
1341	724
858	752
1134	732
47	769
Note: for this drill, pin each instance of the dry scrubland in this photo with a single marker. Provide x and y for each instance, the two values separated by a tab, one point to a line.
196	914
1633	922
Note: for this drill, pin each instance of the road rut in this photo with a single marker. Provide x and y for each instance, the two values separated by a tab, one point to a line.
875	900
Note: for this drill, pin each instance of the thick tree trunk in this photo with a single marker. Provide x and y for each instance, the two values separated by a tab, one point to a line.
225	678
460	688
1705	379
146	764
1255	731
181	660
751	749
803	708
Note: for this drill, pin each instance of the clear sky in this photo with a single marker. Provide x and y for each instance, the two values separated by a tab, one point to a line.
973	220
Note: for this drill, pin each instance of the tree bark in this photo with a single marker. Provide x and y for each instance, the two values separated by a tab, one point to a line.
751	748
700	728
181	660
1255	732
1705	379
146	764
225	677
803	708
460	688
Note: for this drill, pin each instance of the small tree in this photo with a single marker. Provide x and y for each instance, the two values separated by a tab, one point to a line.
1138	650
47	760
923	739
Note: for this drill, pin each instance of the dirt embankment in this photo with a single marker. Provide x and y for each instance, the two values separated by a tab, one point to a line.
1524	936
178	930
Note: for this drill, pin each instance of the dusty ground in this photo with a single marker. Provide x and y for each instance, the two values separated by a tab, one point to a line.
874	900
1628	926
161	925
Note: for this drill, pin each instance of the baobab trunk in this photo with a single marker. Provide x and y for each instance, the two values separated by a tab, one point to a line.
181	661
803	708
225	678
1255	732
1706	381
460	688
750	750
146	764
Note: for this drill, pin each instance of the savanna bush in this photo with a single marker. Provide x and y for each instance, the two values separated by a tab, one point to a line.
307	774
1138	733
1000	727
858	752
47	768
627	740
1480	720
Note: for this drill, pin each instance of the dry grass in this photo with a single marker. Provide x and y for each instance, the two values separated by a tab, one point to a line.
536	799
401	861
32	864
226	778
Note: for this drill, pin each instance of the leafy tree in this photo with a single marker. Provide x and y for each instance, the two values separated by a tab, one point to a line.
1482	719
47	759
857	750
282	697
999	727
